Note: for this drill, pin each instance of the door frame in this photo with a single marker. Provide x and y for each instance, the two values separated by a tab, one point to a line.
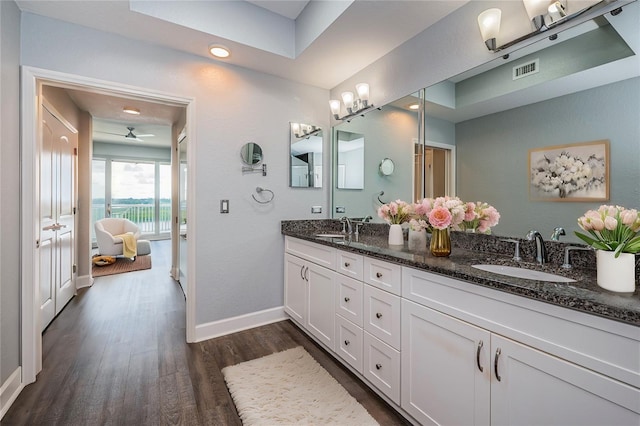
31	335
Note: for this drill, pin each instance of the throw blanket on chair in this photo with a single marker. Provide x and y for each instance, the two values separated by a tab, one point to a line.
129	245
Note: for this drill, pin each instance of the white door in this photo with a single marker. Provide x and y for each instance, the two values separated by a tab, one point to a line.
295	288
535	388
57	215
182	244
320	303
445	368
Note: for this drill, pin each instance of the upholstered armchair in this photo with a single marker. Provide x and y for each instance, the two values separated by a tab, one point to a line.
107	228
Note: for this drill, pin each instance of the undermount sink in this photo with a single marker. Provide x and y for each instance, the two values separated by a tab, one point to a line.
527	274
329	235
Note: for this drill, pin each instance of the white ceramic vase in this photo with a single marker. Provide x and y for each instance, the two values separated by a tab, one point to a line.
395	235
616	274
417	240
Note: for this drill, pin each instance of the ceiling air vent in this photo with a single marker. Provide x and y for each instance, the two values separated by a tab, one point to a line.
528	68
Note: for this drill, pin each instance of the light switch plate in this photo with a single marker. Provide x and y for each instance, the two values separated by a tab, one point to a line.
224	206
340	209
316	209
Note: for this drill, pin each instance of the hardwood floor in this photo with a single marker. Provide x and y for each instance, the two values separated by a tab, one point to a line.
117	355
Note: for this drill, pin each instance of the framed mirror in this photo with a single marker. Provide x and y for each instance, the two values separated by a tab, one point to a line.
251	153
305	156
350	160
585	88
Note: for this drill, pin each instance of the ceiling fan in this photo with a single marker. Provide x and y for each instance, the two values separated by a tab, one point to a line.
131	135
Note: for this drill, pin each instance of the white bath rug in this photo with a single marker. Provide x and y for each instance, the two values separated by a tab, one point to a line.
291	388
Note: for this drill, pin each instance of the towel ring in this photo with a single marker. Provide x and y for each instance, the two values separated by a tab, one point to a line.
260	190
380	194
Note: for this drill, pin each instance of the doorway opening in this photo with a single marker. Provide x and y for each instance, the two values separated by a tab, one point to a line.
32	82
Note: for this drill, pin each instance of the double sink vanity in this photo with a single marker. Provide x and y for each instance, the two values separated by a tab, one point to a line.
445	342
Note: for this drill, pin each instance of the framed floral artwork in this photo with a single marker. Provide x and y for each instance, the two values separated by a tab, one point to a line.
573	172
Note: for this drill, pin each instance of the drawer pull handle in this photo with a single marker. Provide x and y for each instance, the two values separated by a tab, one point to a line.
346	299
378	315
480	344
347	264
495	364
378	366
346	342
379	274
302	272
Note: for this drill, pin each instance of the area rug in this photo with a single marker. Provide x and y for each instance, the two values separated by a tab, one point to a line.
291	388
122	265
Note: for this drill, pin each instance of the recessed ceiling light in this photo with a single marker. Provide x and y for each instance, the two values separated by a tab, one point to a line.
414	106
219	51
131	110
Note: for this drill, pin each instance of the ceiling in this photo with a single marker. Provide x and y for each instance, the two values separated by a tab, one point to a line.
292	39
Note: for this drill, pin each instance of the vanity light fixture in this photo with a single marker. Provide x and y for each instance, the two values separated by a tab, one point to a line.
414	107
543	14
131	110
301	130
352	105
219	51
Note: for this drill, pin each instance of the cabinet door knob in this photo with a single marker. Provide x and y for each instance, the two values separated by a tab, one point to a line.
347	264
346	299
495	364
346	342
378	315
378	366
480	344
379	274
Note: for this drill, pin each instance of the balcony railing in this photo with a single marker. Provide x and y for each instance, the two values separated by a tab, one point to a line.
142	215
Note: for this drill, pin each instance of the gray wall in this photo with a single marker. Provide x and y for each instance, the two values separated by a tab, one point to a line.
9	189
388	133
492	154
233	106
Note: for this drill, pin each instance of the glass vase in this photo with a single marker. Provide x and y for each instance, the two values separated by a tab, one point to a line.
440	242
417	240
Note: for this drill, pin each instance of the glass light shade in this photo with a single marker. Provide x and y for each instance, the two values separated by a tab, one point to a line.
489	23
296	128
363	91
347	98
334	104
536	7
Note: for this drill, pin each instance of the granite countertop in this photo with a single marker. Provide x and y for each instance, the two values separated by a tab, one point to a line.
584	295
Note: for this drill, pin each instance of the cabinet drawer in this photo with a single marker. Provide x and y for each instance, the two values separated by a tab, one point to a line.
316	253
349	342
382	367
349	299
350	264
382	315
385	276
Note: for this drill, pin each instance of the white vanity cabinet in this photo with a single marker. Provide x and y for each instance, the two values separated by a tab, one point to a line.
455	372
309	288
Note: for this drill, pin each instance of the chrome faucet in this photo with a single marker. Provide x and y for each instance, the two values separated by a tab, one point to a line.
541	251
360	222
347	221
567	263
557	233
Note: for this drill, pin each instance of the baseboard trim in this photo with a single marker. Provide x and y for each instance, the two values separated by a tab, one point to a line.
226	326
84	281
10	390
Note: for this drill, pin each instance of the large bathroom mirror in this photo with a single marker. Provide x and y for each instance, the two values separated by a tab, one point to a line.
305	149
350	162
586	87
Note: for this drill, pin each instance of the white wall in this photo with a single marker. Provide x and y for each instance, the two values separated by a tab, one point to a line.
238	255
9	189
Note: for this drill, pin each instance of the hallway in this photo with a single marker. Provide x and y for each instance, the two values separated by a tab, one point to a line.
117	355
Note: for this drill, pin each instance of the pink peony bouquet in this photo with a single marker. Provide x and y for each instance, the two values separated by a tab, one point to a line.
611	228
438	213
479	217
395	212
